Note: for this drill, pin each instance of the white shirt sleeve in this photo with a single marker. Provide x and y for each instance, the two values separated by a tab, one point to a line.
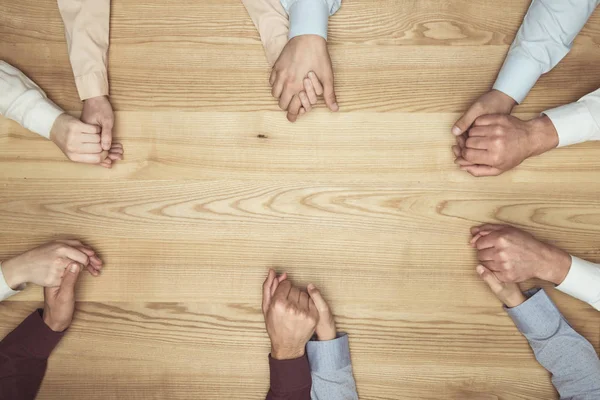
577	122
5	290
544	38
310	17
583	282
24	102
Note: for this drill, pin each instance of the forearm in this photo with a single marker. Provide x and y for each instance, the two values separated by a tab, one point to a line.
24	102
310	17
290	379
568	356
87	31
23	357
544	38
331	369
271	21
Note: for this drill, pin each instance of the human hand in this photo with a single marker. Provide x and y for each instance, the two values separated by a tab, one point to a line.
308	97
326	329
301	55
80	142
98	111
290	316
45	265
498	143
508	293
516	256
492	102
59	302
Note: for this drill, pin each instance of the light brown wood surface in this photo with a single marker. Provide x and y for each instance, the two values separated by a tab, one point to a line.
365	203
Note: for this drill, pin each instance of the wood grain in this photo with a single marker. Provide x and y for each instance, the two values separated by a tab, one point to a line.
217	187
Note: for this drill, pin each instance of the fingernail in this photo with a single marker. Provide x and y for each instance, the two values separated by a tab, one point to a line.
74	267
456	130
480	269
310	286
335	107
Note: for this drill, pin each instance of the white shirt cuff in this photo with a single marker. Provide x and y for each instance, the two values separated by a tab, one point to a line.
5	290
583	282
573	122
41	112
309	17
517	76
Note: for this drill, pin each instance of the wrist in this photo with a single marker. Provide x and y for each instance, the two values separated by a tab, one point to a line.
542	135
13	274
53	325
507	103
558	266
283	353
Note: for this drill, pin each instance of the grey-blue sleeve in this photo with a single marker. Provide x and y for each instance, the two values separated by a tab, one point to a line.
331	369
567	355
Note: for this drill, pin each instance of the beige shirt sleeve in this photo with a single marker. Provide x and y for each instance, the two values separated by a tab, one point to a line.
87	30
272	23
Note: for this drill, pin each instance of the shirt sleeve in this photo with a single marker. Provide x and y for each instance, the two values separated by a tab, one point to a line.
567	355
577	122
272	23
5	290
331	369
24	356
310	17
290	379
87	30
544	38
24	102
583	282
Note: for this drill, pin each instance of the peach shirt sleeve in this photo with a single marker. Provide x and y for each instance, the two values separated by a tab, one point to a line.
272	23
87	30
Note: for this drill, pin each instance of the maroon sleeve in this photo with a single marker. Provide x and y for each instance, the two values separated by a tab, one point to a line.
23	357
290	379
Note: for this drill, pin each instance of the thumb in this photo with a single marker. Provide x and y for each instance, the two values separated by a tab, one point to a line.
481	170
106	136
464	122
489	278
88	128
329	92
67	287
317	298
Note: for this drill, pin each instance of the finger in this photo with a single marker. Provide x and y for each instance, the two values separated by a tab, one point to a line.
272	77
491	119
489	254
465	121
482	170
316	83
106	135
67	287
283	290
115	146
474	239
76	255
461	141
116	150
115	156
310	91
266	299
277	88
286	98
294	295
477	143
89	148
488	277
487	241
481	131
329	94
88	128
462	162
305	101
70	242
277	281
90	158
317	297
294	109
476	156
93	271
456	150
303	301
302	111
89	138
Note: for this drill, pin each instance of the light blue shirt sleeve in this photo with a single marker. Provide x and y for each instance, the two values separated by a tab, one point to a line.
331	369
567	355
544	38
310	17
